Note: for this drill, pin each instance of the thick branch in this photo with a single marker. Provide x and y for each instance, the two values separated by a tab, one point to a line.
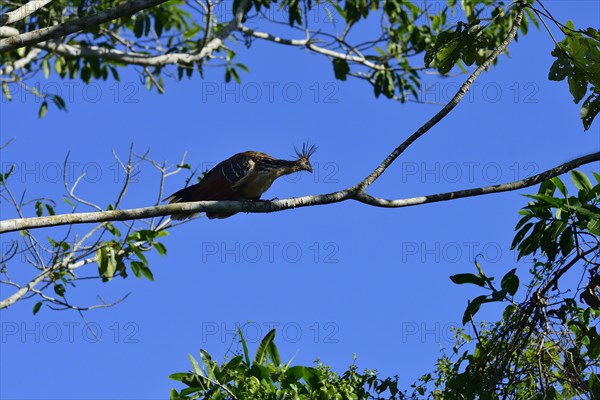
7	31
12	225
41	35
22	12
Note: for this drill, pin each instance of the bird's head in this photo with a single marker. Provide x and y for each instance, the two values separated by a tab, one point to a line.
303	161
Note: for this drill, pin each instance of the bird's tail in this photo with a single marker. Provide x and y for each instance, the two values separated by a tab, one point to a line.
182	196
187	194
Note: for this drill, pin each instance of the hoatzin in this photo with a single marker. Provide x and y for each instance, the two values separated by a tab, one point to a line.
244	176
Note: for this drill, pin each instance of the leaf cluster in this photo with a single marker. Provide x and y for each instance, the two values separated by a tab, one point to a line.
547	345
266	377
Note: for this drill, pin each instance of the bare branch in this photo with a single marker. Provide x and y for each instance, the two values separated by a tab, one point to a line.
67	306
313	47
9	301
71	190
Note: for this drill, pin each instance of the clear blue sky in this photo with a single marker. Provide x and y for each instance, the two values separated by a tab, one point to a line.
335	280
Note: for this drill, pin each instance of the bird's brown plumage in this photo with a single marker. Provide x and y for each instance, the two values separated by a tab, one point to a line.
244	176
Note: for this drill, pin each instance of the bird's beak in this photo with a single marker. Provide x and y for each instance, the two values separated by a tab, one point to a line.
309	168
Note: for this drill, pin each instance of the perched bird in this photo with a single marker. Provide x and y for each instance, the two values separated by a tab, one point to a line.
244	176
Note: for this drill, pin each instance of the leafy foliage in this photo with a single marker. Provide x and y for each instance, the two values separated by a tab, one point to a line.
548	343
578	60
265	377
410	38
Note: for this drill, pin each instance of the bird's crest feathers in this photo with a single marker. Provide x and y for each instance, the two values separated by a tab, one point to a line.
307	150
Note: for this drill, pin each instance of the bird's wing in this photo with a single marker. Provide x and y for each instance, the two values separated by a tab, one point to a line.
221	182
237	168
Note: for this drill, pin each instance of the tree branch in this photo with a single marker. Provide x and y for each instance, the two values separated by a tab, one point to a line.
504	187
12	225
22	62
146	60
22	12
41	35
447	108
311	46
24	289
7	31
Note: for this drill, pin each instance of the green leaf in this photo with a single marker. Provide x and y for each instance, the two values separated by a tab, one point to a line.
244	346
138	27
178	376
566	241
111	264
4	177
39	210
560	185
59	67
274	353
69	202
460	279
577	87
520	235
561	67
523	220
101	260
581	181
209	363
473	307
340	68
160	248
139	254
6	91
146	272
510	282
594	226
196	366
311	376
230	367
59	290
50	209
594	384
43	109
295	373
546	199
37	307
589	109
594	346
242	67
59	102
262	348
